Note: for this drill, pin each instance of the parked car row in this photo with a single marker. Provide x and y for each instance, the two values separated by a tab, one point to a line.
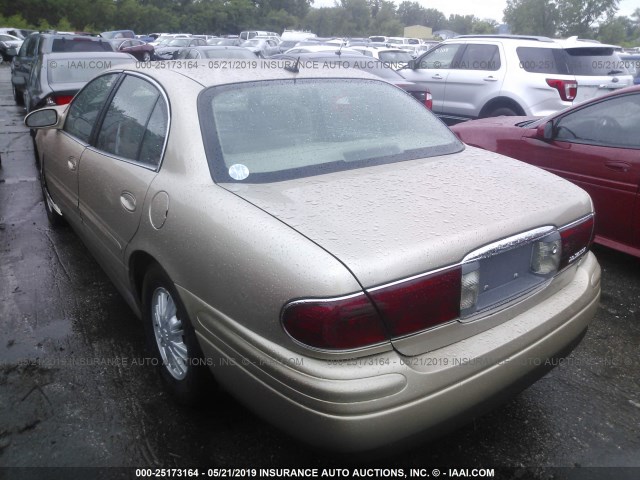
50	68
487	76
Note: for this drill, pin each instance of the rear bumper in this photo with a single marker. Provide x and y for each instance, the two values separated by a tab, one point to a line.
375	401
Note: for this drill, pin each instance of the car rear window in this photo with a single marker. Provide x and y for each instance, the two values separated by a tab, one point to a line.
582	61
543	60
277	130
74	70
61	45
595	62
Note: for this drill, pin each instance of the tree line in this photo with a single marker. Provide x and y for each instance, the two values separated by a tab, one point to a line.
595	19
592	19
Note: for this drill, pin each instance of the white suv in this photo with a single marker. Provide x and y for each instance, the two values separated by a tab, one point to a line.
476	76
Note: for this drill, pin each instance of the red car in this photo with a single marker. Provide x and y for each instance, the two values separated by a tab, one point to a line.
595	144
141	50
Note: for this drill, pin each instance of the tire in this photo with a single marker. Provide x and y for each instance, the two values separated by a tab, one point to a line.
55	219
17	96
502	111
146	57
172	339
26	102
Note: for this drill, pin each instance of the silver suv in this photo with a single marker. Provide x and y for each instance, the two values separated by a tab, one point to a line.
476	76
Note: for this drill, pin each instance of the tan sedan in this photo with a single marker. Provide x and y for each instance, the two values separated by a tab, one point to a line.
355	282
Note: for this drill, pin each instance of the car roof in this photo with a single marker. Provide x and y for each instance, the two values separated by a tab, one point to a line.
79	56
533	38
216	47
264	70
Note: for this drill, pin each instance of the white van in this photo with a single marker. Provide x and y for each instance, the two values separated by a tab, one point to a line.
296	35
249	34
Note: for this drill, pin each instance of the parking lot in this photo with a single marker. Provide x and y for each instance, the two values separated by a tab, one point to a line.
77	389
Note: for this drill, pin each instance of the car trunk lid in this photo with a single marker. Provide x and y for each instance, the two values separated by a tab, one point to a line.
391	222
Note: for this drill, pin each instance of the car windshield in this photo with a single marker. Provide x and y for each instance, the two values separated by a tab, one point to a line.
178	42
277	130
395	57
233	53
253	43
74	70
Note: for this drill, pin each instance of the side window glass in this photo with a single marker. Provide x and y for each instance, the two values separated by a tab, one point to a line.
32	46
608	123
192	54
84	109
441	57
153	141
479	57
131	112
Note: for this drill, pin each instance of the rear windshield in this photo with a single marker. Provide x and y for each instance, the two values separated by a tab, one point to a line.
80	44
73	70
583	61
595	62
277	130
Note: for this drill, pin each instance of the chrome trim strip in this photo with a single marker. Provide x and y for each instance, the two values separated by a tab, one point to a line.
508	243
414	277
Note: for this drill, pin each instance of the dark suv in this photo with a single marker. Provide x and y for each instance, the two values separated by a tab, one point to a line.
38	44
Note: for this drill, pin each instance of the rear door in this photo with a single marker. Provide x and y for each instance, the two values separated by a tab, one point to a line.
66	146
116	171
475	77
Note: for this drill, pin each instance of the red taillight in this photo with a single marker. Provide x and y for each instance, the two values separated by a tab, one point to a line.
428	100
344	323
62	99
568	89
413	305
576	240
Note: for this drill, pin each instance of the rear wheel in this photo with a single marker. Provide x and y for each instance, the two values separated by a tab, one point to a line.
502	111
17	95
171	338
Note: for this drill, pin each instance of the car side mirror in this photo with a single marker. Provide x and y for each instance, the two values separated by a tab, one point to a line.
44	118
546	131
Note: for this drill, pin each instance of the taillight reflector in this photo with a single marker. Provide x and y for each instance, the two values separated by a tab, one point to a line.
576	240
568	89
344	323
428	100
417	304
62	99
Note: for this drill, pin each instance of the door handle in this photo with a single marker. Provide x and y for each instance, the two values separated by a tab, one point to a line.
618	166
490	79
128	201
72	163
437	76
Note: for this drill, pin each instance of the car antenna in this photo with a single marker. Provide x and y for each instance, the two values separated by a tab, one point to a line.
339	52
293	68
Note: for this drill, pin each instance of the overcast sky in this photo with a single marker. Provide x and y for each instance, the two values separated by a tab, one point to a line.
482	9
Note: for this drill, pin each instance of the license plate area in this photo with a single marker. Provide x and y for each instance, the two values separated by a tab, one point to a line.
503	273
